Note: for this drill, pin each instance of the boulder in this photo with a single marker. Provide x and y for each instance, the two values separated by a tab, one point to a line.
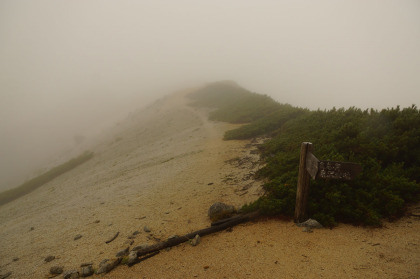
310	223
220	211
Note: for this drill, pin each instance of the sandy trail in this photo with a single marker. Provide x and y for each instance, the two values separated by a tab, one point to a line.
163	168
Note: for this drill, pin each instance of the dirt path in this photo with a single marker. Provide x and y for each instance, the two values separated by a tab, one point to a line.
163	168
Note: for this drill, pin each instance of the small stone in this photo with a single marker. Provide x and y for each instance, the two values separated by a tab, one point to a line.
4	276
132	258
71	274
49	258
15	259
97	221
141	247
107	265
146	229
122	253
31	229
79	236
86	271
196	240
136	233
56	270
86	264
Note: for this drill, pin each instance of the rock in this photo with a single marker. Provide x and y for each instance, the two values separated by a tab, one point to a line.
4	276
146	229
86	264
307	229
56	270
15	259
71	274
220	211
140	247
107	265
87	270
196	240
49	258
310	223
135	233
132	258
79	236
122	253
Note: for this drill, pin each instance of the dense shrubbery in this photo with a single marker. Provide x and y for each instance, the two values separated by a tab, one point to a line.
385	143
234	104
40	180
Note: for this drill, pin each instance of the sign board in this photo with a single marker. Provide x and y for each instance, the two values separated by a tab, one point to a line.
331	169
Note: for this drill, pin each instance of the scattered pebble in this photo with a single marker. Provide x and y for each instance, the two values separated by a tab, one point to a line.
196	240
146	229
132	258
79	236
71	274
49	258
87	270
122	253
56	270
15	259
107	265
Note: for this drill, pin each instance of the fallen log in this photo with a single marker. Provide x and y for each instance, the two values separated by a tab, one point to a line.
181	239
217	223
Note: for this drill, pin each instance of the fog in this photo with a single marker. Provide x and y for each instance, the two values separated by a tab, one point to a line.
68	68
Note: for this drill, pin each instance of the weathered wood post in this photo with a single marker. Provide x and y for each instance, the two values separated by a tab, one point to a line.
303	184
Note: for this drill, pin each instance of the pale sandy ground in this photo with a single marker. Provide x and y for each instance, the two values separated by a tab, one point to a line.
155	170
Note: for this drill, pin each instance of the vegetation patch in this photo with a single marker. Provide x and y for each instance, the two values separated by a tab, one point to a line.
385	143
42	179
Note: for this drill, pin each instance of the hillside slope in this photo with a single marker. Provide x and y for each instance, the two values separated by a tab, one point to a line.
163	168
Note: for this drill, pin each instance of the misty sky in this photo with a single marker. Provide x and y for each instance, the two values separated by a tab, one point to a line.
68	67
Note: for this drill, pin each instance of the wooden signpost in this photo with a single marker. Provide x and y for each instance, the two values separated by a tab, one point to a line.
310	166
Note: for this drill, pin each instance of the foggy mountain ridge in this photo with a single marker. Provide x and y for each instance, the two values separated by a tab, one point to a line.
67	69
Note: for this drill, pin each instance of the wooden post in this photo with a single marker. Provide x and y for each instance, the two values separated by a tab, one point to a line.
303	184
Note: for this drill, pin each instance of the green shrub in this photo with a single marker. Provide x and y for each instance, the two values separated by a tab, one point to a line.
385	143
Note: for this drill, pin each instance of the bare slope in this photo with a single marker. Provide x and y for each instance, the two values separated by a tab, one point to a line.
163	169
157	165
